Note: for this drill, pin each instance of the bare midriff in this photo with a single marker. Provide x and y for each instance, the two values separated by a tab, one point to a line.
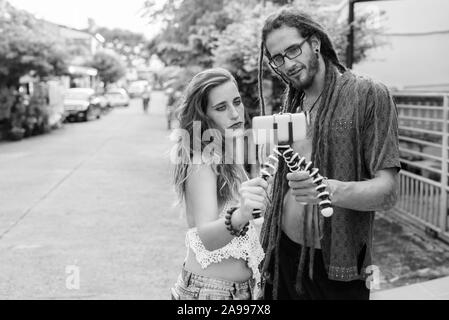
293	220
294	212
230	269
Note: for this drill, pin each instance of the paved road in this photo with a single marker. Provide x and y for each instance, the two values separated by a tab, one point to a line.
91	199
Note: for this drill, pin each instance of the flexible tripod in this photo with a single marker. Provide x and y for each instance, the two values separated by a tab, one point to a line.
292	159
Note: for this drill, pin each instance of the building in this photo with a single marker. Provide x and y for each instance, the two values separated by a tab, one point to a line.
82	46
416	50
80	43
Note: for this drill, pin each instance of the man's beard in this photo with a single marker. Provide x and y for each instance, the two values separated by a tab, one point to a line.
311	70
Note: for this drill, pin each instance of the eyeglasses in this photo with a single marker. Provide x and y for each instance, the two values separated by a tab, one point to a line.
291	53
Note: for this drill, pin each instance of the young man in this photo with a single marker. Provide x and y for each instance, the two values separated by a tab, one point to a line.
352	137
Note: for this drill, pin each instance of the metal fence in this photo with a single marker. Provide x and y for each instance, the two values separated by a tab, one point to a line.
423	142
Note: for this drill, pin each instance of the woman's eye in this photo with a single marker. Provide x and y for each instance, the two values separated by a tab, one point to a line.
221	108
237	102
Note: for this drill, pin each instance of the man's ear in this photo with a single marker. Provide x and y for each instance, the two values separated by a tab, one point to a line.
315	42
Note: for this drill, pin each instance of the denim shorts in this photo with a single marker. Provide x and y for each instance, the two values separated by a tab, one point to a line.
191	286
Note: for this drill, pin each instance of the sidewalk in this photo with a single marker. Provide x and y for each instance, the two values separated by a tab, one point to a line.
437	289
405	256
412	265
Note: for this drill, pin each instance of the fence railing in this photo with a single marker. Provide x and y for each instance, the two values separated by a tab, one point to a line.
423	143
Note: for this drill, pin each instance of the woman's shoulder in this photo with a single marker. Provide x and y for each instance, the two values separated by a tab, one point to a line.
202	176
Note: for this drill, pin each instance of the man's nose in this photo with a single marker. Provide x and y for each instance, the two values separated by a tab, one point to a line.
288	64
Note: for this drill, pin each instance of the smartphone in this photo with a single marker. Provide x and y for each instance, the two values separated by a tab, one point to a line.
277	128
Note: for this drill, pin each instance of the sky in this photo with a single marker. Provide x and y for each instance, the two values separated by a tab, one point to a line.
124	14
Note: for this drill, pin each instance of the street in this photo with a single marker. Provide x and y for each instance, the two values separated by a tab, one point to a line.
86	211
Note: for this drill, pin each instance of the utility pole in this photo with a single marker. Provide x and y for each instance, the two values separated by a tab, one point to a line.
350	45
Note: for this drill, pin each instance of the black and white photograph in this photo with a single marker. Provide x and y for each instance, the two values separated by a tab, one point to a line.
257	150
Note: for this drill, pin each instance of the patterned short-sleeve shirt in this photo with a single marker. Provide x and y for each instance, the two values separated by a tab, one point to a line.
363	139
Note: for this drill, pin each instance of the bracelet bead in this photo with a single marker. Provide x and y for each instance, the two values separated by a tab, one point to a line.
234	232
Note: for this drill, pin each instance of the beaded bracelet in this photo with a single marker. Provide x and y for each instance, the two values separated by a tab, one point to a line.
234	232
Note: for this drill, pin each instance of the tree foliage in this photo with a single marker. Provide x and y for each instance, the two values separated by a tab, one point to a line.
130	46
237	49
110	67
206	33
190	28
25	48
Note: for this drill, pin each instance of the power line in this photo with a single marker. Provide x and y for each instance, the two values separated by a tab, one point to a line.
417	34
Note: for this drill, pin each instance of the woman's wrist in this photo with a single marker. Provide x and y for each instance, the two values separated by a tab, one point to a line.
238	220
230	224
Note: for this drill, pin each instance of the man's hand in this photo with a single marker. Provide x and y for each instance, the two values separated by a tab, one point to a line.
303	188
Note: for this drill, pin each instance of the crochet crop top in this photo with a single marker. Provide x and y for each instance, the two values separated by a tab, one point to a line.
246	247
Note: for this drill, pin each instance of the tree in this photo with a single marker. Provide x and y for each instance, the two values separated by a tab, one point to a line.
190	29
110	67
130	46
237	47
26	49
205	33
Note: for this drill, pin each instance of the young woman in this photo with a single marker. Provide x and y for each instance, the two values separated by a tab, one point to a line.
223	248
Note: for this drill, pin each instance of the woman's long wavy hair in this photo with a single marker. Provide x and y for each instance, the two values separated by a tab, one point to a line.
193	108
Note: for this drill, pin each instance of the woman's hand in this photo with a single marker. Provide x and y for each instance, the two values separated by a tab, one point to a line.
253	195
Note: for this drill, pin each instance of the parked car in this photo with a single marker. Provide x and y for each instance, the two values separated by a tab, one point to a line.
83	104
104	103
117	98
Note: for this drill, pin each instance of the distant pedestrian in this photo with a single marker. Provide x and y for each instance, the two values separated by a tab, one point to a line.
146	97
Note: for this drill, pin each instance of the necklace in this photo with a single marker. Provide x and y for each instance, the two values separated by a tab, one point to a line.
308	112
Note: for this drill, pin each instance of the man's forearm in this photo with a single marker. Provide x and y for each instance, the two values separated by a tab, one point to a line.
377	194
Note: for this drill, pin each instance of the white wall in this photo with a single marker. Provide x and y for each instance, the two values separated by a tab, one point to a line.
409	58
